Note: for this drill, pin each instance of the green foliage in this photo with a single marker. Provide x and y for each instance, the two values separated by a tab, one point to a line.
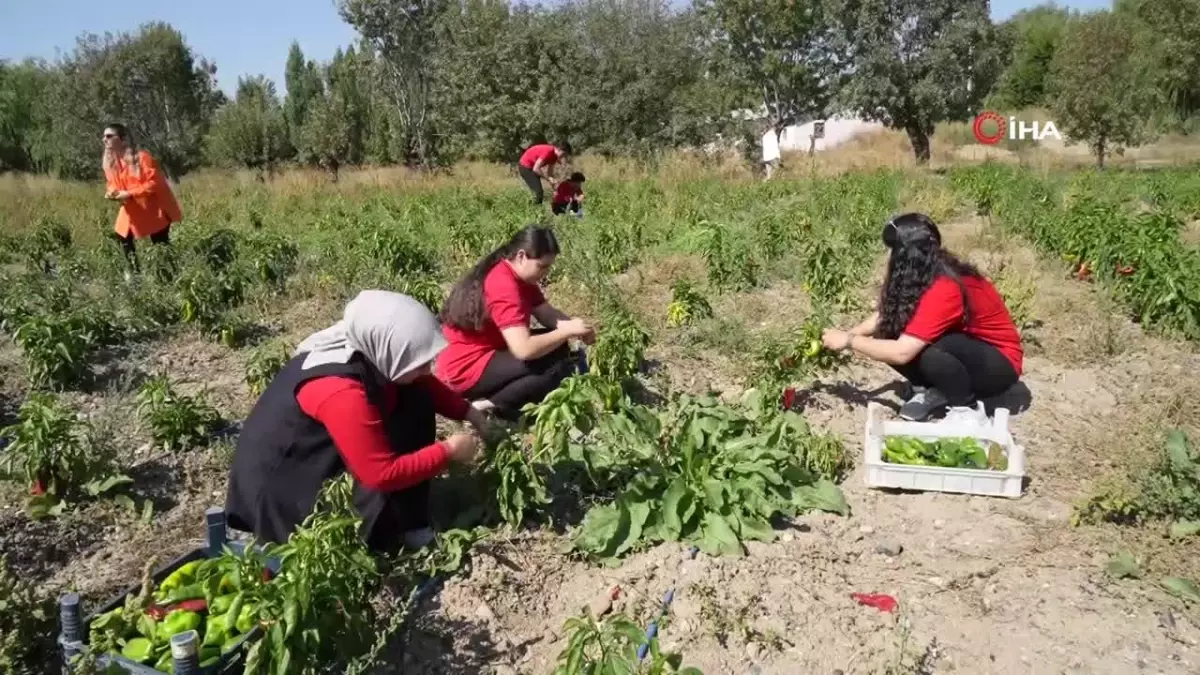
917	62
1168	490
1103	85
1032	37
620	346
176	421
27	625
706	474
264	363
687	304
59	456
250	132
611	646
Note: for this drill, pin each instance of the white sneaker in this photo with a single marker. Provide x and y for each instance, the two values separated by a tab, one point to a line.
970	417
419	538
922	404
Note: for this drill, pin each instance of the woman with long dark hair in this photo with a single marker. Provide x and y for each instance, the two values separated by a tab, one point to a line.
148	207
493	356
940	323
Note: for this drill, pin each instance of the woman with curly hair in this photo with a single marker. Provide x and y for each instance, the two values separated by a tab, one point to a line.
940	323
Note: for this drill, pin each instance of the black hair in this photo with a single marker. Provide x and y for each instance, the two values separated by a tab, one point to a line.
576	177
917	259
465	307
566	148
121	129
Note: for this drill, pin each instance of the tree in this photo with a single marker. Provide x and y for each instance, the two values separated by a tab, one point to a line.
403	35
1173	31
1033	36
1103	87
326	137
22	92
250	132
304	85
780	50
151	82
917	62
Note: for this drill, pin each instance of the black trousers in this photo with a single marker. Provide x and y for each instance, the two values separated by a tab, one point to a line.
130	249
509	383
962	368
560	208
534	183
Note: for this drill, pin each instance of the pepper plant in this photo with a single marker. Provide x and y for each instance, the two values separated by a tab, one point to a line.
176	421
610	646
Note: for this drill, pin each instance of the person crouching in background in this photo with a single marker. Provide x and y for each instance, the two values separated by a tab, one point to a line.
568	196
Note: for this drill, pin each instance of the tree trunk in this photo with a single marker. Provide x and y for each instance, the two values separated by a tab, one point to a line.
1101	147
920	143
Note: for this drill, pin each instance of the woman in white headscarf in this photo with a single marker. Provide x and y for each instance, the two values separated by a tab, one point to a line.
357	396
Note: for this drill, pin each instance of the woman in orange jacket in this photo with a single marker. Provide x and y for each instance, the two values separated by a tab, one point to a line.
148	207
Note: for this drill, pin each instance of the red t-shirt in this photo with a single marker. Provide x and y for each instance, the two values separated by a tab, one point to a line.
940	310
544	151
509	302
566	191
356	426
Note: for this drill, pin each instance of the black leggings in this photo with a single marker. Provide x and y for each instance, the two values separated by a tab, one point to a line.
560	208
509	383
534	183
962	368
163	236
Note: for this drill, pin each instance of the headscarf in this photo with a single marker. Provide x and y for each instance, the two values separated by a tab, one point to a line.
394	332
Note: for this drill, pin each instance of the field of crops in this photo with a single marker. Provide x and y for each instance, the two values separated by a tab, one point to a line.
711	450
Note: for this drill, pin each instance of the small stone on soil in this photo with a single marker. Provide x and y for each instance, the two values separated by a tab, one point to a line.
484	612
890	549
601	605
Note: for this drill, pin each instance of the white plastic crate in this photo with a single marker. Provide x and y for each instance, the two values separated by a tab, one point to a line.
987	482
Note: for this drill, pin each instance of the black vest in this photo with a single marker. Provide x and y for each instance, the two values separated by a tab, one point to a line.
284	456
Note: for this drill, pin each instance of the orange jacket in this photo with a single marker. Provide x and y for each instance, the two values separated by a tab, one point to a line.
151	206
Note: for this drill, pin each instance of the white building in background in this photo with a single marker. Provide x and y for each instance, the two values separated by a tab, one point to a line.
838	130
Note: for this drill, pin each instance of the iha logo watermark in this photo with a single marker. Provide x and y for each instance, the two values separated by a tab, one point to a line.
990	128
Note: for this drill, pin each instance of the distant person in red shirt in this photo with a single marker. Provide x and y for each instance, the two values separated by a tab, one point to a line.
538	162
941	324
358	396
568	196
494	355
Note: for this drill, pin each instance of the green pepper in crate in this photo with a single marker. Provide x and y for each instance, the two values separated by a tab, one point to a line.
180	577
235	609
215	632
165	663
189	592
221	604
138	649
209	656
178	622
246	619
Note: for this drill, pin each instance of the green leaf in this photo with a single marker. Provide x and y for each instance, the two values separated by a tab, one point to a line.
714	493
1123	565
1182	588
677	501
599	528
1177	450
637	514
824	495
756	528
1184	528
718	538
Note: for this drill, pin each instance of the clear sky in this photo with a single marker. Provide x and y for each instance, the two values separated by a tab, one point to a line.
243	37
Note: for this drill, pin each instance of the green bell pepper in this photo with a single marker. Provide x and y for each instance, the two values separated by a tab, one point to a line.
215	633
138	649
181	576
235	609
178	622
221	604
246	619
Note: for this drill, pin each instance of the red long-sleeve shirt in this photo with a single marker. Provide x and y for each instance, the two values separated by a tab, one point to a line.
340	404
